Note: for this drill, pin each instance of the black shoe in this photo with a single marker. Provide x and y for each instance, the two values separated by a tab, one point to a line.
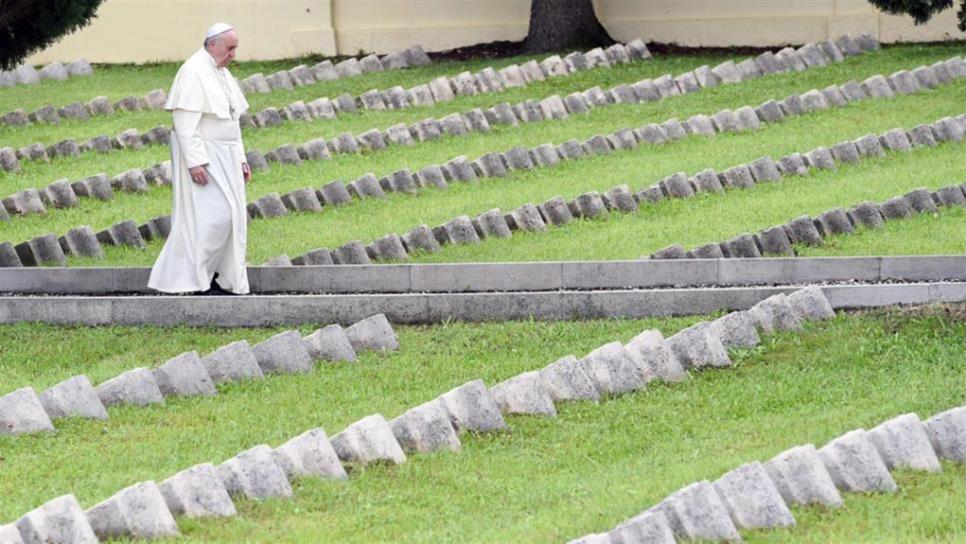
216	290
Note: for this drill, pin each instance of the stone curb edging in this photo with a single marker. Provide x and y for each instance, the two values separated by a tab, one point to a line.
428	308
757	496
489	165
260	472
26	74
593	205
188	374
510	277
778	240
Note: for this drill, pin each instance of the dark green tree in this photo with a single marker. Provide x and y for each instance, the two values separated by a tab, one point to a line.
921	10
27	26
561	24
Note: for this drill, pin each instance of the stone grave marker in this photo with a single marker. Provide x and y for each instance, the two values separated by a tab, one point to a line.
425	428
368	440
197	492
138	512
74	397
471	407
752	499
855	466
254	474
309	454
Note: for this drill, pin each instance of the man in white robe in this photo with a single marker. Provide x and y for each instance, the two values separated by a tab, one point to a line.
209	172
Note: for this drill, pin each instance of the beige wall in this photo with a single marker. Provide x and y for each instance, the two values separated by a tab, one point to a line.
146	30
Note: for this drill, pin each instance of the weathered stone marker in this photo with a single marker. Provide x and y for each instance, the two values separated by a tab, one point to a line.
565	380
947	433
752	498
137	386
801	478
696	512
22	412
613	369
197	492
368	440
232	362
58	521
138	511
283	353
523	394
471	407
902	443
698	346
184	375
425	428
254	474
855	465
73	397
330	343
309	454
657	356
374	332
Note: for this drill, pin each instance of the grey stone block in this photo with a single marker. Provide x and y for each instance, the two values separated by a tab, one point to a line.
725	121
278	261
387	248
696	512
9	161
770	112
330	343
553	107
853	92
737	177
286	154
793	164
8	256
232	362
27	75
613	369
667	86
309	454
17	118
471	407
492	224
453	124
399	134
345	103
698	346
459	169
22	412
9	533
736	330
834	222
138	511
372	140
368	440
831	51
597	57
707	251
727	72
867	214
775	314
316	257
74	397
97	187
488	81
896	208
553	66
322	108
902	443
764	169
184	375
947	434
197	492
752	499
302	200
57	521
575	103
846	152
622	200
425	428
749	69
576	62
518	158
645	90
372	333
810	304
512	76
706	78
944	196
570	150
431	176
926	77
137	386
420	238
803	231
502	114
566	380
653	134
41	250
441	89
747	119
349	68
366	186
491	165
956	67
465	84
344	143
268	117
792	105
921	200
743	246
24	202
297	111
855	466
523	394
254	474
457	231
256	160
707	181
700	125
81	242
621	139
655	357
921	135
280	80
835	97
74	111
555	212
792	59
677	186
544	155
80	67
46	114
283	353
903	82
618	54
334	194
877	87
775	241
674	251
268	206
587	206
821	158
813	55
647	527
802	478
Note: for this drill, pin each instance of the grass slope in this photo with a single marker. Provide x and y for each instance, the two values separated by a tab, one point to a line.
546	481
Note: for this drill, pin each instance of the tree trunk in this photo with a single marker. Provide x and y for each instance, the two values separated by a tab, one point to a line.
562	24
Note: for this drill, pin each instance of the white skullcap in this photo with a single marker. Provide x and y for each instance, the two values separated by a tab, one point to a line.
218	28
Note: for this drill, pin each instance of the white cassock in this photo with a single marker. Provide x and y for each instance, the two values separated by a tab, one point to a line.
208	222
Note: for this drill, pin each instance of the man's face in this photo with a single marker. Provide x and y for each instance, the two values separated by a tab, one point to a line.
224	47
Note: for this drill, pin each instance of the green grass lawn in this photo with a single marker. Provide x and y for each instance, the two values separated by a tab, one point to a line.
547	480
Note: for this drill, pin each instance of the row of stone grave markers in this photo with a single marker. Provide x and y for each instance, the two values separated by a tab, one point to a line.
811	55
479	120
83	242
26	74
551	108
757	496
302	75
99	106
24	411
146	510
805	230
155	99
455	124
593	205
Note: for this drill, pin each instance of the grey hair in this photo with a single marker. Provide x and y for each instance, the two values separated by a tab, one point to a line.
211	40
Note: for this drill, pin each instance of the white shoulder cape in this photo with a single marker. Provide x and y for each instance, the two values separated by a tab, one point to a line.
196	88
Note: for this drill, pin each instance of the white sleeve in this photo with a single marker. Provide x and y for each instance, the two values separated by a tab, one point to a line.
186	129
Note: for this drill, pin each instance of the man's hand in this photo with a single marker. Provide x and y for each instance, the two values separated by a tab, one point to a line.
246	172
199	175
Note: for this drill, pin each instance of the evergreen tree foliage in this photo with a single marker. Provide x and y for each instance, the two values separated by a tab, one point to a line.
921	10
27	26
